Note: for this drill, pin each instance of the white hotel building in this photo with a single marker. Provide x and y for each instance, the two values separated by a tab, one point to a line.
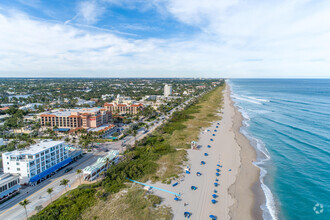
37	162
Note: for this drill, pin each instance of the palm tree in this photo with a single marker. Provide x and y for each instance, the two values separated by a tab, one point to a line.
50	190
107	161
134	134
64	182
79	171
24	203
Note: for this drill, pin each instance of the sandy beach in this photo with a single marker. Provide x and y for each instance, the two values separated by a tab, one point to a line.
230	152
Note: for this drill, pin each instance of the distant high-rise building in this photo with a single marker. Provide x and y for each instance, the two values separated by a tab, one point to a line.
167	90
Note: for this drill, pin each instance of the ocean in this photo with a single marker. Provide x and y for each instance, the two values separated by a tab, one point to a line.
288	123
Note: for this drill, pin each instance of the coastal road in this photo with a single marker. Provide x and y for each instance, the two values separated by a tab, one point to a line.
38	195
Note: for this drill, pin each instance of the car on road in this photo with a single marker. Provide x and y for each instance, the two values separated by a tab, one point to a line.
68	169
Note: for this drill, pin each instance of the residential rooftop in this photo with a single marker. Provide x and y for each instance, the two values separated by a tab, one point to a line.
35	148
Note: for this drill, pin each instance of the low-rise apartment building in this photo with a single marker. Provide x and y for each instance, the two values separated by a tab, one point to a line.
9	186
36	162
76	118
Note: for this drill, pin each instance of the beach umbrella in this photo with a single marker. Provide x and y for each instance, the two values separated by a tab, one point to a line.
209	146
218	165
205	154
216	184
215	130
208	130
218	174
218	170
216	180
193	187
211	139
202	162
214	196
214	201
198	174
215	191
176	199
213	217
217	126
213	134
229	169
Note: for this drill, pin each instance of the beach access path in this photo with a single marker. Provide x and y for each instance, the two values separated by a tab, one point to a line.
224	151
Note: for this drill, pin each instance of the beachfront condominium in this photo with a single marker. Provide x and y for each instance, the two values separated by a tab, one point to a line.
37	161
123	108
76	118
167	90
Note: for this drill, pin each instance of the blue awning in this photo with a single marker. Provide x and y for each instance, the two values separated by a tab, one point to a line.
50	170
10	190
62	129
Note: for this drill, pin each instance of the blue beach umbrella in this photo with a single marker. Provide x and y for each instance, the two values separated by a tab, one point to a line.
218	170
209	146
215	191
229	169
176	199
211	139
214	196
217	126
216	180
216	184
218	174
214	201
213	134
218	165
205	154
213	217
202	162
215	130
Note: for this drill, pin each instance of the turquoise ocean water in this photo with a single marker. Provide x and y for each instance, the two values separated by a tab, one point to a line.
288	123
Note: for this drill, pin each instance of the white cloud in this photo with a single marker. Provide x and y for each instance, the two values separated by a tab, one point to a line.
237	39
90	11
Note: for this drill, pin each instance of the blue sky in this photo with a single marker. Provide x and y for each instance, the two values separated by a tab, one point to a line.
165	38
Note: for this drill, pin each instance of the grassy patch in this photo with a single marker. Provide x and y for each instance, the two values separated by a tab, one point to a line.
134	203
